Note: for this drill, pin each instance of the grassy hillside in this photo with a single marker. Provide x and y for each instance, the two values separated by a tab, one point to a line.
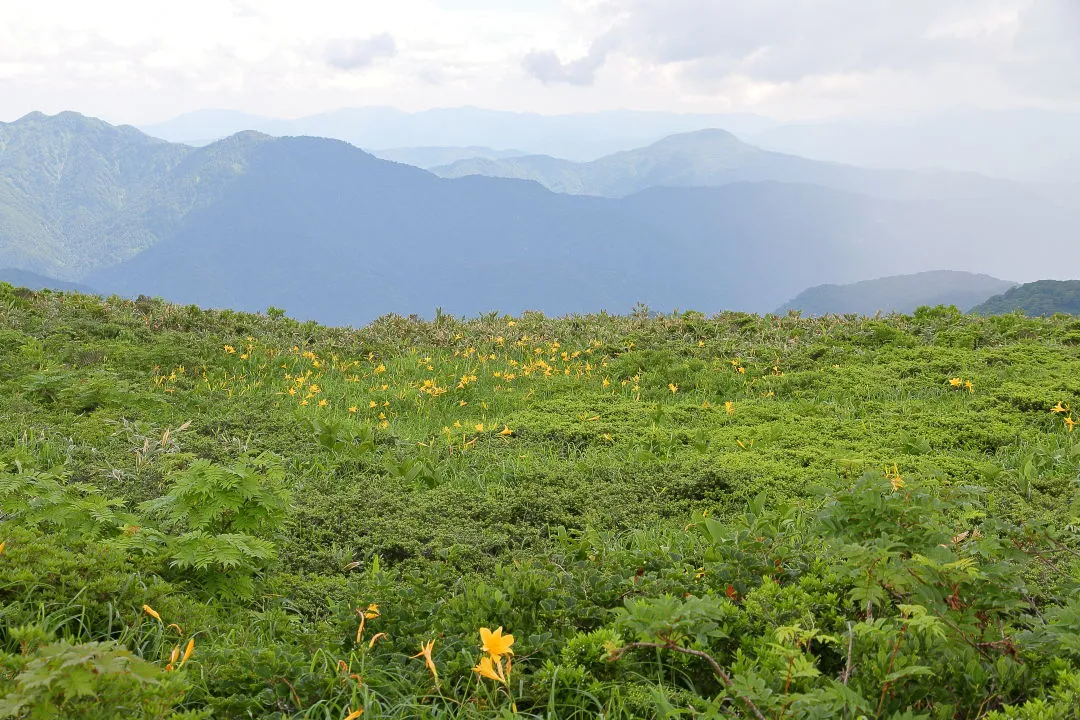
898	293
246	516
1044	297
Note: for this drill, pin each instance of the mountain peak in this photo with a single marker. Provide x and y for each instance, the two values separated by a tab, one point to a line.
711	137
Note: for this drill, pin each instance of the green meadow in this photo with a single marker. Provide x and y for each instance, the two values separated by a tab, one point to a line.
210	514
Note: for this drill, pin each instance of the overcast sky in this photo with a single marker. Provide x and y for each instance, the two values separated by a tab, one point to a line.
143	61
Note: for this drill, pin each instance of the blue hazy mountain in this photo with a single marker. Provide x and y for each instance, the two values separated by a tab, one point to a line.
33	281
898	293
328	231
717	157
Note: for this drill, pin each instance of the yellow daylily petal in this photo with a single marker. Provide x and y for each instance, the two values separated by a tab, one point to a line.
489	669
495	643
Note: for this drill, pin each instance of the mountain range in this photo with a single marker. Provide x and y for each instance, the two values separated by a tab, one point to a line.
1027	145
716	157
579	136
329	232
898	294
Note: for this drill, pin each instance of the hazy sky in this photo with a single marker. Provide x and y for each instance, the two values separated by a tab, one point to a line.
142	61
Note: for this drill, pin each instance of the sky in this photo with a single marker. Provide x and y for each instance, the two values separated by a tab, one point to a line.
145	61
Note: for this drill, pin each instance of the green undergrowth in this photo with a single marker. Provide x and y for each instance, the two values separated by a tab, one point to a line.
216	514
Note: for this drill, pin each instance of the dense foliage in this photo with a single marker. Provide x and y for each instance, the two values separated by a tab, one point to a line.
215	514
1044	297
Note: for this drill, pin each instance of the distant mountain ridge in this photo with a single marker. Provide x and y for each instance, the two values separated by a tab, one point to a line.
1043	297
581	136
716	157
429	157
898	294
33	281
332	233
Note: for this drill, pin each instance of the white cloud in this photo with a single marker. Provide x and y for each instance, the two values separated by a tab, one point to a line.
145	60
356	53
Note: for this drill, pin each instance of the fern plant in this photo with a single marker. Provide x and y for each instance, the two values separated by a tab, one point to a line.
88	680
47	500
224	516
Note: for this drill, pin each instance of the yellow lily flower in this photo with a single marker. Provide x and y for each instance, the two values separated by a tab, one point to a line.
495	643
491	670
425	652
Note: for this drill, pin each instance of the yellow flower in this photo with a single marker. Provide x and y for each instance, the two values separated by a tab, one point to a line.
425	652
479	427
1059	408
729	407
742	370
353	409
151	612
373	404
3	546
323	403
187	652
1070	423
489	669
495	643
372	611
969	386
895	480
230	349
956	382
354	714
673	387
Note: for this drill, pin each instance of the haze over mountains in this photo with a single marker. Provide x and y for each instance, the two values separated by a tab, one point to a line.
1038	146
581	136
898	294
717	157
330	232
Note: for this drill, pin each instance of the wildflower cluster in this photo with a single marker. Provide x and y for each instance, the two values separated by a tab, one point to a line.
961	384
497	647
175	654
1066	412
